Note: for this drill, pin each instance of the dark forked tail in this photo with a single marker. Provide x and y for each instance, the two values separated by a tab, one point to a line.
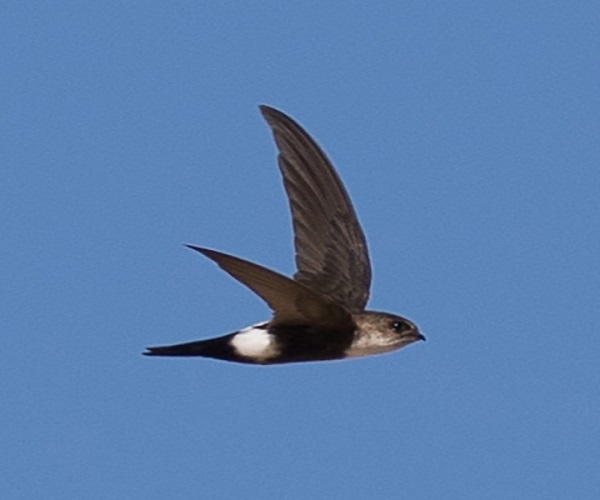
198	348
219	348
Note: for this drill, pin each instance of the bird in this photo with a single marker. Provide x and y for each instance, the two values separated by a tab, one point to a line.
319	314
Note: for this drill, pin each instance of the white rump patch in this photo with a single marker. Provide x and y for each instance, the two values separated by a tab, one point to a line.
255	343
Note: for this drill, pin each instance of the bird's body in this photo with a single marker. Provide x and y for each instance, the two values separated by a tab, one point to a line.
320	313
260	344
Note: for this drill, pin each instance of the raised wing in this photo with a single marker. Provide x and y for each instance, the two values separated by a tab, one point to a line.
331	250
290	301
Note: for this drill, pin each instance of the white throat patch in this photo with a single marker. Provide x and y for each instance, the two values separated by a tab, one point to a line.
369	345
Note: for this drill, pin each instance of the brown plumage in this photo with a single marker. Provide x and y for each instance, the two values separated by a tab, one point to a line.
320	313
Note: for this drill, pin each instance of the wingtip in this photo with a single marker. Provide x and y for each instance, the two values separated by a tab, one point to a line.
196	248
265	108
207	252
270	114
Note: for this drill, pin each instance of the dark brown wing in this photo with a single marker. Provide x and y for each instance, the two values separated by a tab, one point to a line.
291	302
331	250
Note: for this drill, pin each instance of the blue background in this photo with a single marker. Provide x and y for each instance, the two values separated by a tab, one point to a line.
468	136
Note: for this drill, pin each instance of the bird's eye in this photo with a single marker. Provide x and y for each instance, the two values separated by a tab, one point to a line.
400	326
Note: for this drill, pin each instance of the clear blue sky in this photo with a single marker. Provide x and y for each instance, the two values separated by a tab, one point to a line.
468	135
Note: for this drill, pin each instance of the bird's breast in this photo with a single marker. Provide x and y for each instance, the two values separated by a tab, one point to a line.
370	343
